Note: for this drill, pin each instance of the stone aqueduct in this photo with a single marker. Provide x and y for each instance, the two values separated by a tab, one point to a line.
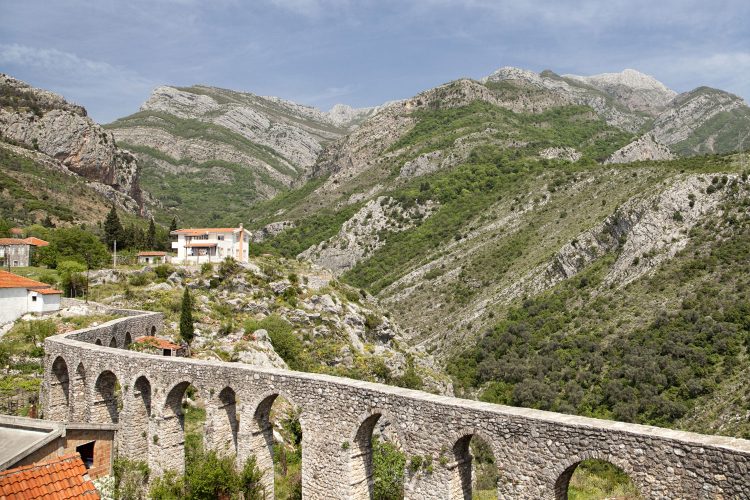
536	452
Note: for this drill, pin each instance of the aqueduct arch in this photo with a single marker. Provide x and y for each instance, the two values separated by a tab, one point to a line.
341	414
107	400
461	466
562	481
59	391
222	422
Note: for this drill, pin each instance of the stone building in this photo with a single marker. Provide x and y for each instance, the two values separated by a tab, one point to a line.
18	252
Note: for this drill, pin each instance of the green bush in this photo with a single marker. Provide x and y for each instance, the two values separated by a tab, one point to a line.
388	465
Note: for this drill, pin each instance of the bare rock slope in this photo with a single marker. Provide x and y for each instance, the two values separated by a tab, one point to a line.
45	122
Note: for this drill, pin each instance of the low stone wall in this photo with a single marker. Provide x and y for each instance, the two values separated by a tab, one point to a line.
535	451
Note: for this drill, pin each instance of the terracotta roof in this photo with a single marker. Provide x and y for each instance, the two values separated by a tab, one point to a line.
25	241
60	478
161	343
10	280
151	254
204	230
38	242
48	291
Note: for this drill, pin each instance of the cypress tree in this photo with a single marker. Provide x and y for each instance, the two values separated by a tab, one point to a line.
151	238
187	331
173	225
112	228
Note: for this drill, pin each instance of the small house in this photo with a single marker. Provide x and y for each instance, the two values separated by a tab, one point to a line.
162	347
19	296
18	252
152	257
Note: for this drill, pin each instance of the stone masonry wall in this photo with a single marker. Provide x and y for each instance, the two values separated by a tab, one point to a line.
536	451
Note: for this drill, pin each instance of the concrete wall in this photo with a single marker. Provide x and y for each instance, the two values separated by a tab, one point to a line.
536	452
13	304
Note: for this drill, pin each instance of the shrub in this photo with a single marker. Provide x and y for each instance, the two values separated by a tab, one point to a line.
131	478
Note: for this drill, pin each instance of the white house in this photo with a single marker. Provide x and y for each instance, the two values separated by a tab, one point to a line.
19	295
152	257
213	244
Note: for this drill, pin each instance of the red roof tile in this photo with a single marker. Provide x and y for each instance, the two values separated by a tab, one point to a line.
63	477
48	291
151	253
10	280
36	242
161	343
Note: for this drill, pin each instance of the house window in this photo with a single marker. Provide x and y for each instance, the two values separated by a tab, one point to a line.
220	237
87	454
33	298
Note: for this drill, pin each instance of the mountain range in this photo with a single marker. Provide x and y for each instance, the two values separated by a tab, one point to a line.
545	237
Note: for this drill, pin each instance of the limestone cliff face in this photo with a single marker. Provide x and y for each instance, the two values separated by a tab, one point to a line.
704	120
643	148
44	121
213	138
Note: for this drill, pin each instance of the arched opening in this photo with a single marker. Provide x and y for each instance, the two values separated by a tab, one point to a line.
153	331
139	418
376	463
98	342
182	428
276	443
222	423
595	479
107	399
59	386
128	340
113	342
473	469
79	406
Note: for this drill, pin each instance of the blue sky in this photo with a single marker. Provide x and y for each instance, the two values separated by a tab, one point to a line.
108	55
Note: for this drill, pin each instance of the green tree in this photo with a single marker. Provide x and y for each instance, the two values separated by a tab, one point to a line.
151	235
187	329
173	225
72	279
113	230
74	244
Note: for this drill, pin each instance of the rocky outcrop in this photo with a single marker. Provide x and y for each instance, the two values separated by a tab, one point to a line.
362	234
271	230
567	154
574	91
642	149
704	120
45	122
637	91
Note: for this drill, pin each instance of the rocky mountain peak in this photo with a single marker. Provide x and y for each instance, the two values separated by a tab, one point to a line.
43	121
628	78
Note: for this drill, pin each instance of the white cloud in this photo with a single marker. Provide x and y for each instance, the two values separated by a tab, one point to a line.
79	79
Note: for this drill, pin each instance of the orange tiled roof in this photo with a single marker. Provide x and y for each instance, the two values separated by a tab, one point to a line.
48	291
25	241
161	343
204	230
37	242
151	254
10	280
60	478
